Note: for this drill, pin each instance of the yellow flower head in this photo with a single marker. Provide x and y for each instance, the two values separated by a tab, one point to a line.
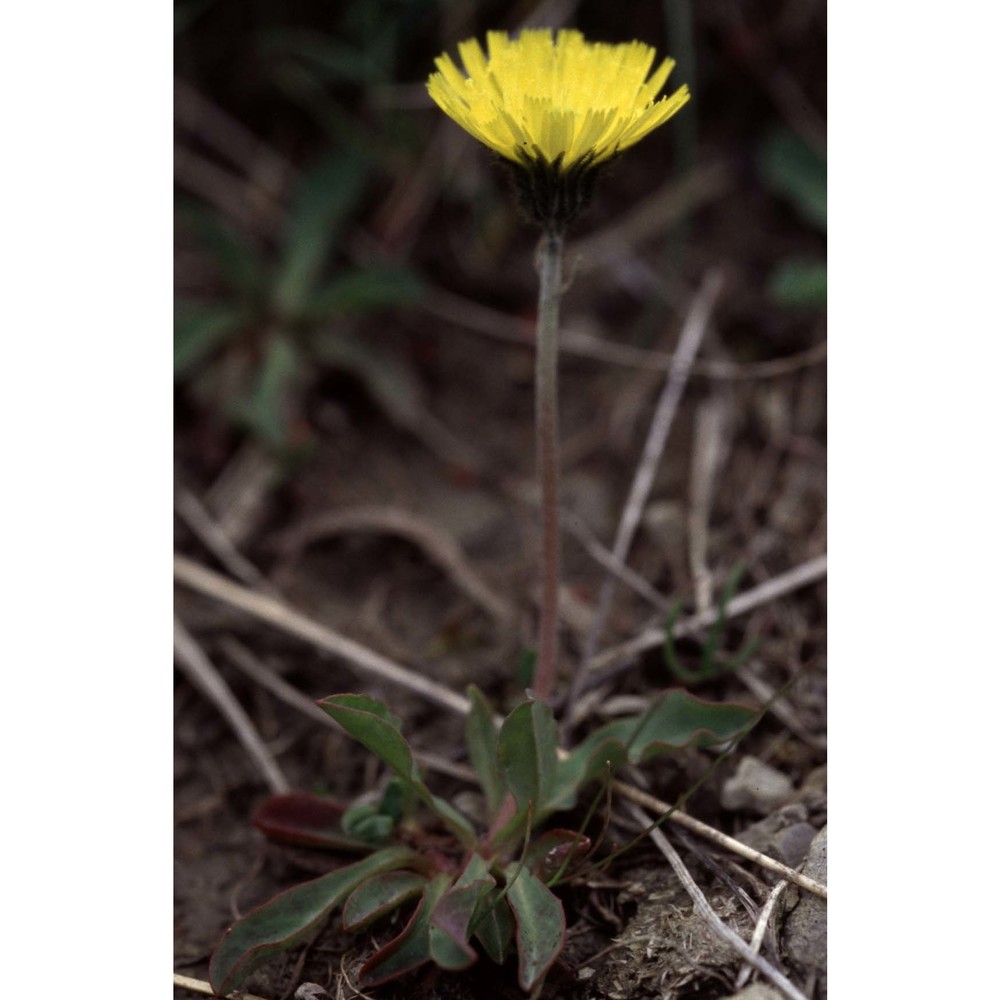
565	100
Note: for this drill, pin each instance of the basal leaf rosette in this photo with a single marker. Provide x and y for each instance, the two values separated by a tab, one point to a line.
555	106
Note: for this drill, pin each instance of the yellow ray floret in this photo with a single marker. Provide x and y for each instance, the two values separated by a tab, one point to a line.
538	97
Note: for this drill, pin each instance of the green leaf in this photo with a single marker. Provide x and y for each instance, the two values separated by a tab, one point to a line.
200	330
493	924
374	727
798	283
676	720
379	895
481	739
524	669
289	917
393	802
790	168
541	925
266	411
412	947
365	822
364	291
323	202
527	754
680	719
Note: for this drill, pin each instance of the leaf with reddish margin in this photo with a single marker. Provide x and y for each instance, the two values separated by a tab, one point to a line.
452	916
306	820
494	925
286	919
541	925
677	719
379	895
412	947
549	852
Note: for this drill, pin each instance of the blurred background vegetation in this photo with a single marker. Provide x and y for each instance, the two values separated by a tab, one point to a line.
333	228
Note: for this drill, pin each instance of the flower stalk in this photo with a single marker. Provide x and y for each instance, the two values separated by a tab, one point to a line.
557	109
547	454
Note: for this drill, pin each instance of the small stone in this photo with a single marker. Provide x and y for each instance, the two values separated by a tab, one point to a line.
812	794
784	835
756	991
803	938
792	845
756	787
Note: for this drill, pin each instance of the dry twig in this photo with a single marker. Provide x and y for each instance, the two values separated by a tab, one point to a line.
207	679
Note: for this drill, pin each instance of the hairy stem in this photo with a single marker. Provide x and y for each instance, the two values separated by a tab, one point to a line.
547	444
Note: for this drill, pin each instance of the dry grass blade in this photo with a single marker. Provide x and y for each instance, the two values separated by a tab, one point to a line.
206	678
692	334
759	930
471	315
709	447
704	908
584	345
612	660
277	613
205	989
237	497
196	516
574	526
